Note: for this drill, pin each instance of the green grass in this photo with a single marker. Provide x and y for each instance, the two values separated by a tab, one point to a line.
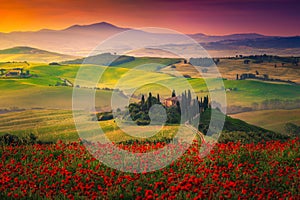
53	125
29	54
249	92
150	63
48	125
27	96
35	92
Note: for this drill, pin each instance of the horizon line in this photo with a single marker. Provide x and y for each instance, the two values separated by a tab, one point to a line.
117	26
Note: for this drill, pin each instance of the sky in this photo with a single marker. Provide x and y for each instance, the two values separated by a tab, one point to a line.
213	17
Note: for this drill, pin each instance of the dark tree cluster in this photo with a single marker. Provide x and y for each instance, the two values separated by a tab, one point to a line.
270	58
139	112
183	109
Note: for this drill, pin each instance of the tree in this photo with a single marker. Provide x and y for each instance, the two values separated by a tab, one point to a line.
216	60
292	129
246	61
173	116
178	107
189	98
2	71
149	101
143	100
205	102
158	98
173	93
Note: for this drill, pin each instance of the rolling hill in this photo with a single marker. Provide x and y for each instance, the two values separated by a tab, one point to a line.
152	52
29	54
105	59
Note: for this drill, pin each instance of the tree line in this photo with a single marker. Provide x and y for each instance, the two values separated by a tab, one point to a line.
183	109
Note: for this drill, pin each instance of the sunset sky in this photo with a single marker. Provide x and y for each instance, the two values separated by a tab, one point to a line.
214	17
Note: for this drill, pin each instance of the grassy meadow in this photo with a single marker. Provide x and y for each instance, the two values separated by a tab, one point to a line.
54	125
40	98
39	90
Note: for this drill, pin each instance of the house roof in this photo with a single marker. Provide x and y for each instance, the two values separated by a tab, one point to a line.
14	71
172	99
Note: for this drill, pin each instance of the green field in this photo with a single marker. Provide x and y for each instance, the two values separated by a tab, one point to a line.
29	54
39	92
36	92
53	125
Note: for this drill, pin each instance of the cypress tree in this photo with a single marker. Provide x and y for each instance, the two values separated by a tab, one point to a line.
173	93
178	107
189	98
143	100
149	101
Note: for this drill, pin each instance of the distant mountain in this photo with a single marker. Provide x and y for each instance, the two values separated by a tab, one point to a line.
29	54
95	27
75	40
82	39
202	38
259	43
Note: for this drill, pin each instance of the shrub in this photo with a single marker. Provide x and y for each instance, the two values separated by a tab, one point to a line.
292	129
105	116
142	122
9	139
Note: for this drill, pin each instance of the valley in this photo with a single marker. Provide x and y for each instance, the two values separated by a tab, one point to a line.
47	90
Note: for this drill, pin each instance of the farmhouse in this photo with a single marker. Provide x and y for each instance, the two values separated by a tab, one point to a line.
172	101
14	73
246	76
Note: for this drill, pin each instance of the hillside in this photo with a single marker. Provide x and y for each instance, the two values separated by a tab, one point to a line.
238	130
105	59
25	50
29	54
152	52
266	119
257	43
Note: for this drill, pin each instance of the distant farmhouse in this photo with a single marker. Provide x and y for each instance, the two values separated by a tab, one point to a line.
172	101
15	73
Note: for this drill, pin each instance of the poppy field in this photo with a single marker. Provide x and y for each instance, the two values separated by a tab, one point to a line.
266	170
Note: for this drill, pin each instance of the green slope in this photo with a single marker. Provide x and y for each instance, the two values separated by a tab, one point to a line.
238	130
29	54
